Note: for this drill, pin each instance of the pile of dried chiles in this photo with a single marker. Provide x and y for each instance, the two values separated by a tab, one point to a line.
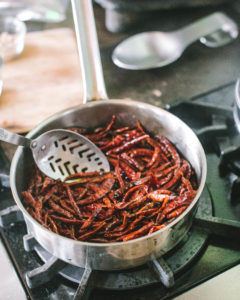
149	185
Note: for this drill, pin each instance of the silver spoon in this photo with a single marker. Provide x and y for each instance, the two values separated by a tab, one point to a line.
59	152
157	49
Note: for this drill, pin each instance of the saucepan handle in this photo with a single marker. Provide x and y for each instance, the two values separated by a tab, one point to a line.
88	49
13	138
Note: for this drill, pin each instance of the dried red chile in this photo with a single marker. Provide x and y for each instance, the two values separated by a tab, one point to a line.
149	185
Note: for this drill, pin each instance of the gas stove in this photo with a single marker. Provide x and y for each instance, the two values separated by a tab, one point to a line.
210	248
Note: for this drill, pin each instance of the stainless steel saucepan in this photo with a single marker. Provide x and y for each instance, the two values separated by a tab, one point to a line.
122	255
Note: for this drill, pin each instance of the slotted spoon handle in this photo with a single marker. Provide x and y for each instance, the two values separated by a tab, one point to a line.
13	138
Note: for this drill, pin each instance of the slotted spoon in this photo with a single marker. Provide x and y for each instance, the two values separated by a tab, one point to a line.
59	153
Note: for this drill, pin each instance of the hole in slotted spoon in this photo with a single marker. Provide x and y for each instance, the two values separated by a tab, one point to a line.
66	167
58	160
83	151
72	141
74	147
50	157
61	170
75	168
90	155
63	138
56	144
52	167
64	148
84	169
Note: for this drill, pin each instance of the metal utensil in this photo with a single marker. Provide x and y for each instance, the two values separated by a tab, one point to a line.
59	153
157	49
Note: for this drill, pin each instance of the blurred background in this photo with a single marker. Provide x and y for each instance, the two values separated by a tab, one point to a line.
200	68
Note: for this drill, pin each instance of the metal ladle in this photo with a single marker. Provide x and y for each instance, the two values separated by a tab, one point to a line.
59	152
157	49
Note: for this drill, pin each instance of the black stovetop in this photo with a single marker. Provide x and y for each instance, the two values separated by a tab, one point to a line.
219	251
